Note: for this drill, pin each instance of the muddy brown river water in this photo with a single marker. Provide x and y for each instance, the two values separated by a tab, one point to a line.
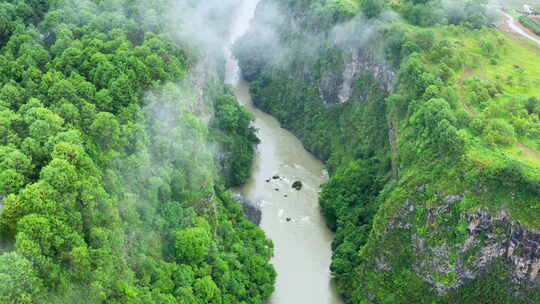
290	218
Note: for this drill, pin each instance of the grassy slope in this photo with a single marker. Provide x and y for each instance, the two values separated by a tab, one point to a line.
437	180
500	174
516	60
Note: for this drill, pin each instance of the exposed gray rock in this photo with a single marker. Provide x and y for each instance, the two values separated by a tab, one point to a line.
336	86
382	264
397	221
518	245
329	86
488	238
351	68
435	266
252	210
369	61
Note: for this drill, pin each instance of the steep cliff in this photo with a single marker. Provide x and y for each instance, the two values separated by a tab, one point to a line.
428	206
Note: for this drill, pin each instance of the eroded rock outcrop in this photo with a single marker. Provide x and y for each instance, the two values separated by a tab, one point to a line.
447	263
336	86
500	237
253	210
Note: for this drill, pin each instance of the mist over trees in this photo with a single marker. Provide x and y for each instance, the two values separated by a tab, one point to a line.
117	148
113	167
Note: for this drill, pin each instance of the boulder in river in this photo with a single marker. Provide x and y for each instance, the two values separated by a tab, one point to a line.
297	185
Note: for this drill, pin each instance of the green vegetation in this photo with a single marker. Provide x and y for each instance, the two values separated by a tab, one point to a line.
236	136
114	160
455	136
111	186
530	23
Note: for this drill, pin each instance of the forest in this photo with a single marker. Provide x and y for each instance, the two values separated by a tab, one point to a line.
438	133
119	147
114	162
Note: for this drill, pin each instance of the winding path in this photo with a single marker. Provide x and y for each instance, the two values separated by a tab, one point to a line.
518	30
528	151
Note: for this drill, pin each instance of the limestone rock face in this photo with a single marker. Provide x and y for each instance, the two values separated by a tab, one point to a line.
336	86
509	240
264	45
487	238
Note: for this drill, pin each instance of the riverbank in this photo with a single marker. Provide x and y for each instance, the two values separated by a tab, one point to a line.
290	217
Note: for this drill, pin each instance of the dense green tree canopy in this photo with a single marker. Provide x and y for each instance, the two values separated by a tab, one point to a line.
110	188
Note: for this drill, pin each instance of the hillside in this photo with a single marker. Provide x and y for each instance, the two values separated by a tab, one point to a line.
121	146
115	152
427	118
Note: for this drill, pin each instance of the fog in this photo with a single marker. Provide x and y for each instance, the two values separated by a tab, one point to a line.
202	24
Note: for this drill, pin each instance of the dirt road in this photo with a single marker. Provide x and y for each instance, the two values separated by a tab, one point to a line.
516	28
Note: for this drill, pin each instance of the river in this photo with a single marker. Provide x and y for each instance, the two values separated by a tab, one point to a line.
291	218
